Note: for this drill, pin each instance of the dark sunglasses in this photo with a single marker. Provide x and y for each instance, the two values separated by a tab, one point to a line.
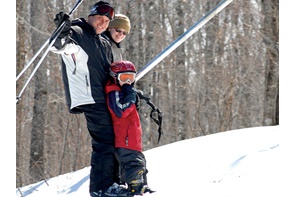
120	31
105	10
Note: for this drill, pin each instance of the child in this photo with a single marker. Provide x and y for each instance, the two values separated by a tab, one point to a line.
121	99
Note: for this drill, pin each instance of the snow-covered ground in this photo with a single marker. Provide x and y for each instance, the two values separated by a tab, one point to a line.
247	162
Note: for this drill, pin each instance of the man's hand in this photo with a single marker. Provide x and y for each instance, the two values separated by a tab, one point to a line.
59	19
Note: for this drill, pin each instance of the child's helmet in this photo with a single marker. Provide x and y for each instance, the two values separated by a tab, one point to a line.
126	67
122	66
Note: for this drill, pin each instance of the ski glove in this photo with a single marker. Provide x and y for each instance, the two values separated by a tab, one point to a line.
129	92
59	19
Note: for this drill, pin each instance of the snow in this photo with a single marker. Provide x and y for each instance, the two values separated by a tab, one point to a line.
247	162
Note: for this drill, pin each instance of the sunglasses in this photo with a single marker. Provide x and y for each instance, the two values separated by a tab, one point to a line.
126	77
105	10
120	31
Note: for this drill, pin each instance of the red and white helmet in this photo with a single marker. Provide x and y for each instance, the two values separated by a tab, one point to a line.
126	67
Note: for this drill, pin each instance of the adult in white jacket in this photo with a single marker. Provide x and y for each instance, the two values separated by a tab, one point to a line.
86	58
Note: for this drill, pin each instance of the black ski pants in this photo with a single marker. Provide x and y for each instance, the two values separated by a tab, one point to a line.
104	166
132	165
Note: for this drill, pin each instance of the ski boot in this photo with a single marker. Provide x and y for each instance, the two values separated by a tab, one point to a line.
114	190
136	187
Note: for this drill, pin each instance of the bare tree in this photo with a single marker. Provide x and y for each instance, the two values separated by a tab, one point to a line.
20	111
179	78
37	16
270	10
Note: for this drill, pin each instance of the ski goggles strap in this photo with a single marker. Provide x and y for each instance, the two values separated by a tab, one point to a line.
104	10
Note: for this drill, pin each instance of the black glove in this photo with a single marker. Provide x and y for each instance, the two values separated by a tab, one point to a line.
59	19
129	92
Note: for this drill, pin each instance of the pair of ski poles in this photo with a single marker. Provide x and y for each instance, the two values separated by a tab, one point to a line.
149	65
49	41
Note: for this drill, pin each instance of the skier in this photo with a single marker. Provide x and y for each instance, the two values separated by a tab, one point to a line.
86	58
121	100
116	33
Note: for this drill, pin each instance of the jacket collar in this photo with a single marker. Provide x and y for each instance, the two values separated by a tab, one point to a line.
107	35
81	22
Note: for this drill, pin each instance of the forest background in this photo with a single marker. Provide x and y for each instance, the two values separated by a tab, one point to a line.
224	77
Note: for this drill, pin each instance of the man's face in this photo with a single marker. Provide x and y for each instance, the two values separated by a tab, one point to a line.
99	23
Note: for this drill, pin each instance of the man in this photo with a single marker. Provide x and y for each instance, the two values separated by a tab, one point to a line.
86	58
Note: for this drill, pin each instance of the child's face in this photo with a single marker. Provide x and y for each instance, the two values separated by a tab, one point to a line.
122	83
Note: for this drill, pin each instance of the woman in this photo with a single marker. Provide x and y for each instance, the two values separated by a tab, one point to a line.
116	33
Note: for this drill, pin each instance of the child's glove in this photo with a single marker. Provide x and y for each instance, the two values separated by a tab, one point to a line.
129	93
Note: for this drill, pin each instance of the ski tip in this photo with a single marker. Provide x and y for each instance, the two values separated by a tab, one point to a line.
149	191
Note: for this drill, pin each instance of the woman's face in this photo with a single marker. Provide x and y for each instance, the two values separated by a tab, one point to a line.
118	34
99	23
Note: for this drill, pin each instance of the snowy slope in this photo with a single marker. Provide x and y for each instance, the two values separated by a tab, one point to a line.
247	162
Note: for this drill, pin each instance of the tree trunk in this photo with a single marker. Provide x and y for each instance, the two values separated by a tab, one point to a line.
271	40
20	62
180	77
40	95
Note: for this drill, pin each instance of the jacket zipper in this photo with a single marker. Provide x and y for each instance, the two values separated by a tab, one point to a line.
75	62
87	84
126	141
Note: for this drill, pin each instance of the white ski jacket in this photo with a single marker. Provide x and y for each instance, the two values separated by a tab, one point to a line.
86	58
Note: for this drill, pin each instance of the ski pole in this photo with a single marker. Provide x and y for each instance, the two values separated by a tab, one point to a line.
52	41
182	38
40	50
46	42
36	68
32	60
